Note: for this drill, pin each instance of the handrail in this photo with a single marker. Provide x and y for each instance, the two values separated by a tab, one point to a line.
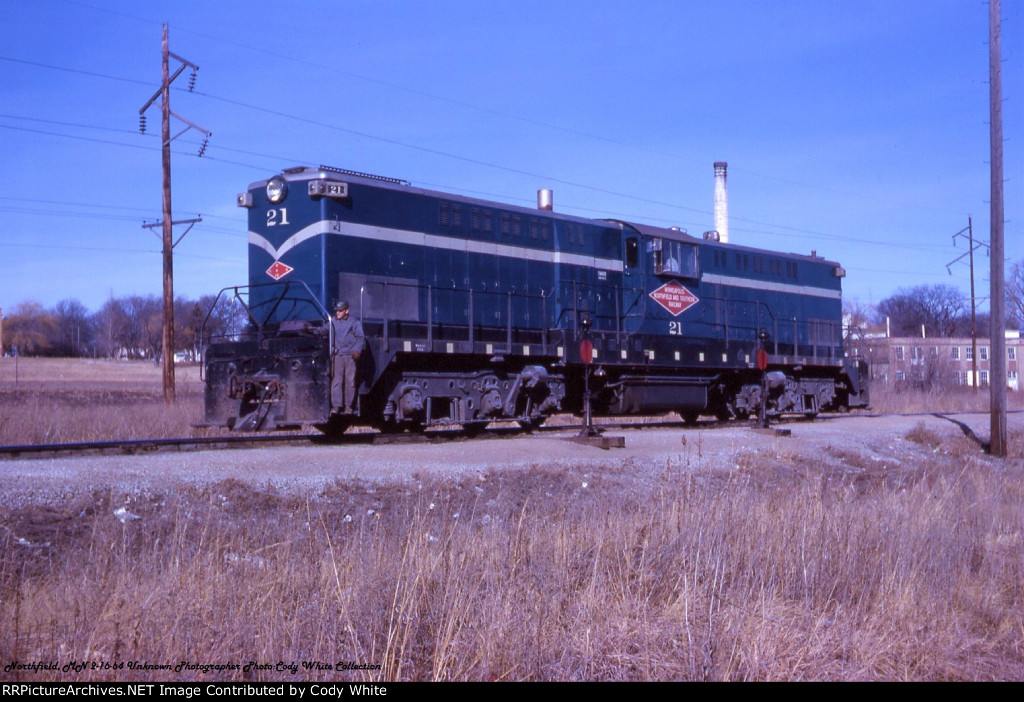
285	286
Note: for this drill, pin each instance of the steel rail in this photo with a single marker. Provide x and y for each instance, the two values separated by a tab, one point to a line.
211	443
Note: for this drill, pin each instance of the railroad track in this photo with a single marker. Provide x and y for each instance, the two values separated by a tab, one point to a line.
213	443
144	446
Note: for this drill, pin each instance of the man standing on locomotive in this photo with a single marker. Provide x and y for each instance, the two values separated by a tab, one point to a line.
348	344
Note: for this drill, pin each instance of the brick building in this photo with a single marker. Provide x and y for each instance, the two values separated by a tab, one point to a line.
936	361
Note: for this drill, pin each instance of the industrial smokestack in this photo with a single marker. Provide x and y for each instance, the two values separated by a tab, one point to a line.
545	200
721	203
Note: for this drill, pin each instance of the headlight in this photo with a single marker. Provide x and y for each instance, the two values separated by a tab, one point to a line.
276	190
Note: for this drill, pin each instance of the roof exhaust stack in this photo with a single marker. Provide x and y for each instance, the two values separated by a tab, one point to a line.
721	203
545	200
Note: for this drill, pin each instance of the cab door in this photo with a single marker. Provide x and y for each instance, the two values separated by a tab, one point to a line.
633	294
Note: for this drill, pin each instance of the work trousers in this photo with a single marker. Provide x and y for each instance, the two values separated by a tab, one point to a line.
343	386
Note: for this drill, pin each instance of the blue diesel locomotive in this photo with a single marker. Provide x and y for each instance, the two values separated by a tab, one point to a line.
474	311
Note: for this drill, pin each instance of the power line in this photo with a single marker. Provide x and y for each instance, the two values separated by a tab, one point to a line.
438	152
80	215
65	69
222	231
110	249
407	89
795	232
422	149
76	247
73	124
792	232
73	204
73	136
487	110
817	236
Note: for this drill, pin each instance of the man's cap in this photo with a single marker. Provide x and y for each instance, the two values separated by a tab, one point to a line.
343	305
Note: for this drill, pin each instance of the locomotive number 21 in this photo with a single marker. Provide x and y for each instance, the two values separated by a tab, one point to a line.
275	217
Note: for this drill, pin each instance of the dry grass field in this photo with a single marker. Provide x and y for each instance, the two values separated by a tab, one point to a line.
776	564
56	400
957	399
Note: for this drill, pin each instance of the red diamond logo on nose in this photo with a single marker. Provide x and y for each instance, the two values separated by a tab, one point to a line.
279	270
674	298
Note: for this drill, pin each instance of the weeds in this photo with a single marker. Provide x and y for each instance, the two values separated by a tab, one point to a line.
901	398
69	400
924	436
752	574
844	565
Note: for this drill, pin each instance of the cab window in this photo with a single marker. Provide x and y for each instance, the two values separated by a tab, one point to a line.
674	258
632	257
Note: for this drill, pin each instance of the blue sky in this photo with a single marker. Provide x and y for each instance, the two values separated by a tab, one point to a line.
858	129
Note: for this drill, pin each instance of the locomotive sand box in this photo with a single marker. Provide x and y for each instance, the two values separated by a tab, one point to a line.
474	311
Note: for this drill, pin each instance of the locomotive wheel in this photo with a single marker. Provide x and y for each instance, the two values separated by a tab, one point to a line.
690	417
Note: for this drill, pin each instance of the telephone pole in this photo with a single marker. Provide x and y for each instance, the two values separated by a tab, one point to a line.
971	246
998	299
164	95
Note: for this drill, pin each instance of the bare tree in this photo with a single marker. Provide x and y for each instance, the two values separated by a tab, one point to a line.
110	324
75	328
225	319
935	370
858	318
1015	294
188	322
941	309
126	327
148	320
130	326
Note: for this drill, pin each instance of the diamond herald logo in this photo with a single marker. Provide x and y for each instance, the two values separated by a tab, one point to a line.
674	298
279	270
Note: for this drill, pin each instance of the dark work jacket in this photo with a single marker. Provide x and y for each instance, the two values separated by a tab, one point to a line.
348	336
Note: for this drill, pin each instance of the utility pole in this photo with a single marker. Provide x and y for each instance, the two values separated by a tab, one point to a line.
164	95
974	323
997	301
